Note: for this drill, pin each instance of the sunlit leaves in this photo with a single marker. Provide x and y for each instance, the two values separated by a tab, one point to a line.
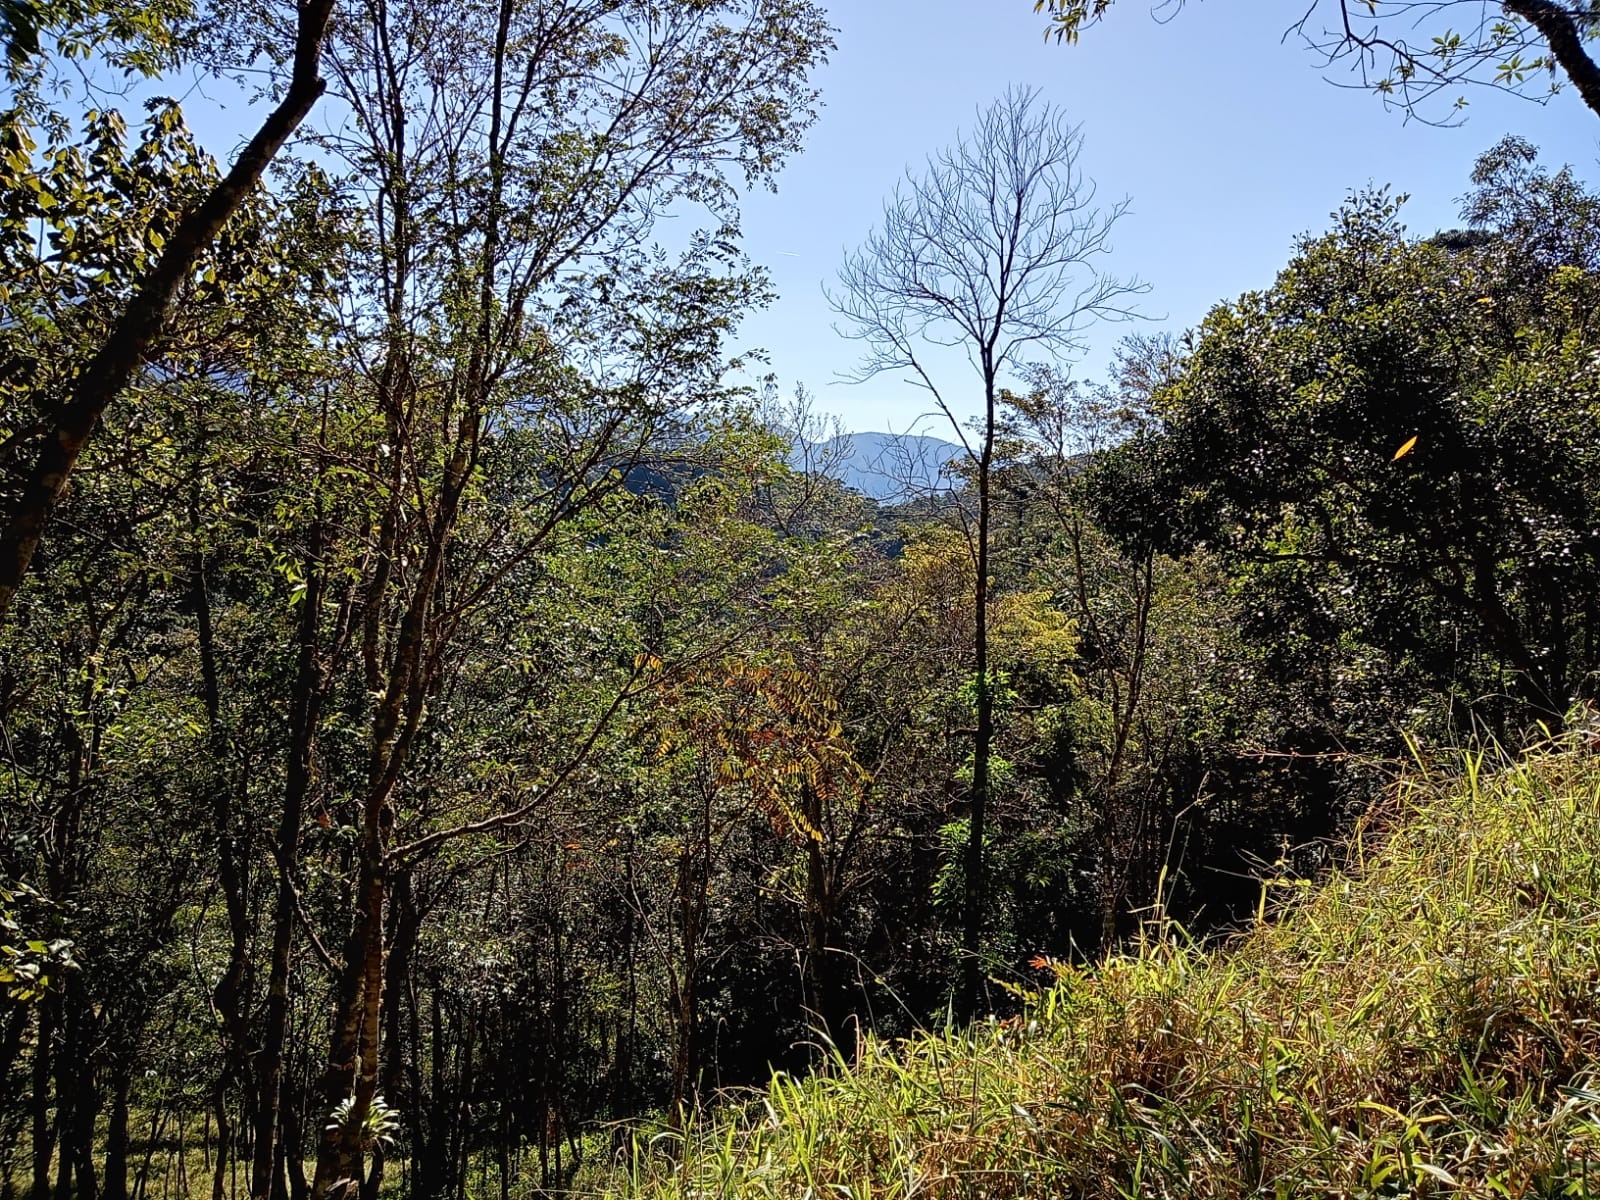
30	965
769	730
1069	17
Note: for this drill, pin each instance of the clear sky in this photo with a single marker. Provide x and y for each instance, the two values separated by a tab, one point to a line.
1228	140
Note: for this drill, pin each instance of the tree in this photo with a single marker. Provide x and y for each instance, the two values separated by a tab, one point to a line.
35	486
1394	444
1410	51
127	559
340	518
993	248
514	314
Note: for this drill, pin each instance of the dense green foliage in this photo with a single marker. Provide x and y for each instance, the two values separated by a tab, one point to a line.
441	734
1395	443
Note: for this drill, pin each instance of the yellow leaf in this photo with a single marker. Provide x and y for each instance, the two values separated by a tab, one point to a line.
1404	450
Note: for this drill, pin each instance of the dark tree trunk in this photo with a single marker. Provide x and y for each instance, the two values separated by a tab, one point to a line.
12	1027
823	997
229	994
694	881
116	1180
44	1129
83	1149
70	1072
290	1182
348	1075
407	924
620	1091
434	1167
305	706
977	884
1566	38
84	1040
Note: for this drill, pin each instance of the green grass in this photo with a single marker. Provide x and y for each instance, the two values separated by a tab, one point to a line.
1422	1023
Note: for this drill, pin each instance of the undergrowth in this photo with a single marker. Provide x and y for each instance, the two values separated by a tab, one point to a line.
1423	1022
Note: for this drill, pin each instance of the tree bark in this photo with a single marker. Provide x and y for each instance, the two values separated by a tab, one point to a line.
407	926
228	995
352	1064
821	987
350	1073
73	1072
116	1180
694	882
44	1129
12	1027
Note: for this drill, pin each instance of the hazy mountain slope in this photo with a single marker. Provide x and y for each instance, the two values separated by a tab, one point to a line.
888	467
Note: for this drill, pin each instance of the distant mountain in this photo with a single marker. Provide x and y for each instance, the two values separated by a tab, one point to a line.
887	467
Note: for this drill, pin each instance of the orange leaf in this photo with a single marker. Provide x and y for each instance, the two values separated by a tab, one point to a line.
1404	450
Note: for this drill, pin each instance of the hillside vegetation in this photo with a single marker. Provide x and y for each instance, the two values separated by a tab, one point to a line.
1422	1022
465	710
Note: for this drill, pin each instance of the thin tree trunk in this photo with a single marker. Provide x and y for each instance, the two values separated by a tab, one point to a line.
116	1180
77	1098
694	880
12	1027
291	1182
1116	862
304	712
44	1130
141	1179
407	922
83	1137
219	1169
69	1078
821	990
228	995
346	1076
977	896
627	1036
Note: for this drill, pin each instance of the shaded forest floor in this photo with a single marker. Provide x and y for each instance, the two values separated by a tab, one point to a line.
1423	1022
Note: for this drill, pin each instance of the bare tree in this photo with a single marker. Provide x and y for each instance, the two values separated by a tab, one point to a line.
992	249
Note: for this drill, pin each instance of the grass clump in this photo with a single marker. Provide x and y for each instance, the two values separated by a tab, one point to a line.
1422	1023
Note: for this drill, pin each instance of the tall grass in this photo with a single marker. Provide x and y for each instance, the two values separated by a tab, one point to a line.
1424	1022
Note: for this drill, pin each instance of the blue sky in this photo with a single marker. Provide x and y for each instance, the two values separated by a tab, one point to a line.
1228	140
